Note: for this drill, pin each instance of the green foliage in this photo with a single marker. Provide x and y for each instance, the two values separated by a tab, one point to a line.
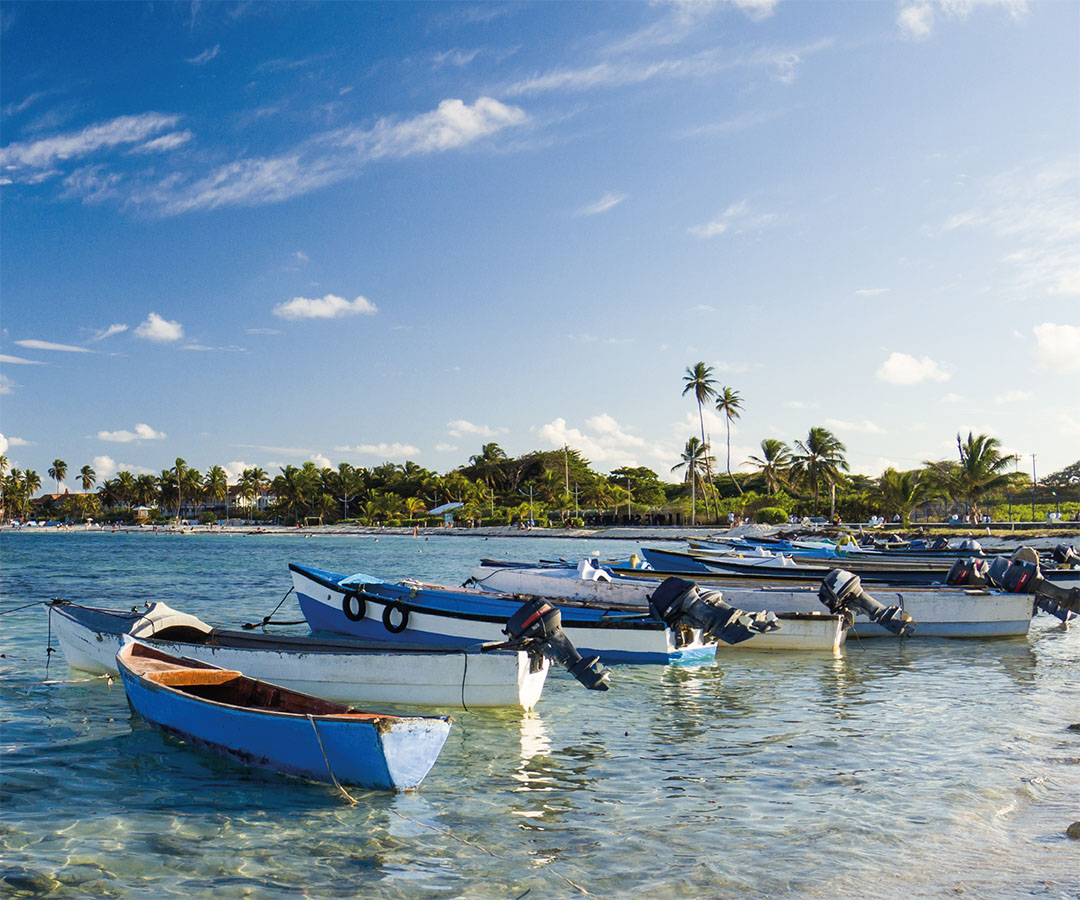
771	515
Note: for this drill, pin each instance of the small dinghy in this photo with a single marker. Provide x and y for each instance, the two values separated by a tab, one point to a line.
272	727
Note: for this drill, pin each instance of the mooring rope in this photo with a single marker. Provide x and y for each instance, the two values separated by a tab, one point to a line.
26	606
266	619
352	800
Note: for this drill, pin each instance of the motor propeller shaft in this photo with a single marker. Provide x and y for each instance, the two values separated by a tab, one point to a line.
680	602
842	590
537	627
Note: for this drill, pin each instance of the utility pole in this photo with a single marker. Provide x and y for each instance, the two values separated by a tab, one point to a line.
566	466
629	510
1034	486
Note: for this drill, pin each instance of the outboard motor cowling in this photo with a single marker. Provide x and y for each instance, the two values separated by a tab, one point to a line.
538	625
842	591
968	573
680	602
1065	555
1022	576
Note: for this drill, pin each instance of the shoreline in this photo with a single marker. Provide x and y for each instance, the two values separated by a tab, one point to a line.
1033	536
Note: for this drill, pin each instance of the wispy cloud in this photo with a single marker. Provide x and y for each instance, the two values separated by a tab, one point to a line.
603	441
205	349
736	218
871	292
165	143
328	307
904	369
1014	396
203	58
76	145
603	205
141	432
49	345
19	361
104	333
863	427
159	329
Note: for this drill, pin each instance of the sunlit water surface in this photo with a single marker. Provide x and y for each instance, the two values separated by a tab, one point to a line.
901	770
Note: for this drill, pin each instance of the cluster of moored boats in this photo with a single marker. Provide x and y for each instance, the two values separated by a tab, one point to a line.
283	701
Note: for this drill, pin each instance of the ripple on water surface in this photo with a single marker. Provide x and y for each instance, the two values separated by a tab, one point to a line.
899	770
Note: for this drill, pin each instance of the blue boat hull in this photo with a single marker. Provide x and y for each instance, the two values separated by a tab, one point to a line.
468	618
387	753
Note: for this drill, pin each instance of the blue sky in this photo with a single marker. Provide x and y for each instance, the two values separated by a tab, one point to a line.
257	234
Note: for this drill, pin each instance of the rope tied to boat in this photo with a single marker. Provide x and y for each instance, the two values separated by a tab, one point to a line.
352	800
248	626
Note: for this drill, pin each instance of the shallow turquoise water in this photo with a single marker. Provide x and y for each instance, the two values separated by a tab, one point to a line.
922	769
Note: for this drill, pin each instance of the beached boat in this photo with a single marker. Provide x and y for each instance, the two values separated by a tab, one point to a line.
363	606
343	670
588	582
960	612
272	727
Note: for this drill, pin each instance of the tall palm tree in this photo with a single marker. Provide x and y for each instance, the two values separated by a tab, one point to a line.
413	505
488	464
729	404
144	491
774	462
252	483
698	379
88	477
125	487
58	470
820	460
695	459
216	485
981	468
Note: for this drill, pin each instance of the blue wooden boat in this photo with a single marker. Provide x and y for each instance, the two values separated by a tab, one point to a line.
272	727
364	606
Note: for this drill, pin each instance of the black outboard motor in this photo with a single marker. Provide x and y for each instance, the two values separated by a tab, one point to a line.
940	544
841	590
968	573
1067	556
680	602
1023	576
538	625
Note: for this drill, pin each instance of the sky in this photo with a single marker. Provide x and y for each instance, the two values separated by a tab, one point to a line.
257	234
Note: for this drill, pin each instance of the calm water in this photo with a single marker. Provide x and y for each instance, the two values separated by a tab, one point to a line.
922	769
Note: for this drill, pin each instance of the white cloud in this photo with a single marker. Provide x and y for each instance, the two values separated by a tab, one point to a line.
916	21
205	349
321	461
863	427
235	468
952	398
108	333
3	444
7	386
606	444
605	203
462	427
799	404
19	361
116	132
328	307
383	451
1069	425
1058	347
142	432
19	442
159	330
104	467
451	125
445	448
871	292
1014	397
49	345
901	368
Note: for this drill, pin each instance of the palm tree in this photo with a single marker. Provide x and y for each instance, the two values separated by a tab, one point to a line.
699	380
903	491
252	482
144	490
88	477
695	459
982	468
413	505
820	459
729	403
774	462
216	485
125	487
58	470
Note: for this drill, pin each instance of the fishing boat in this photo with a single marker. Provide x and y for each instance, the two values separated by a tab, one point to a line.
589	582
364	606
269	726
940	611
338	669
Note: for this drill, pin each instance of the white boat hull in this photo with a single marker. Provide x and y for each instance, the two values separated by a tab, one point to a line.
938	612
420	678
